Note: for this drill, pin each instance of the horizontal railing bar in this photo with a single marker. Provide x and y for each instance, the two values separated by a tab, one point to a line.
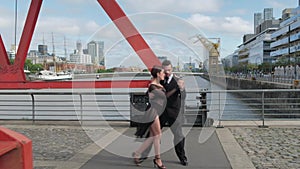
70	101
15	110
57	92
15	92
60	110
296	114
236	110
250	104
16	101
78	106
19	105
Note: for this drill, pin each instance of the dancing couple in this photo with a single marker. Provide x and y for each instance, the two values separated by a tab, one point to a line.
166	94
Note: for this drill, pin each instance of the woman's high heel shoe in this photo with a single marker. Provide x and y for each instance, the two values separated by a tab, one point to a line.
156	165
136	159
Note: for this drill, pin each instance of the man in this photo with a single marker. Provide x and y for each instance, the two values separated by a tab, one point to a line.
173	113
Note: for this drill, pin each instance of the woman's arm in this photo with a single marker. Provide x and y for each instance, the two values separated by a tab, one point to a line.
170	93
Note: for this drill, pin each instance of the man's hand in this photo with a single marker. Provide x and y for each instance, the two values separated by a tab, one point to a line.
180	83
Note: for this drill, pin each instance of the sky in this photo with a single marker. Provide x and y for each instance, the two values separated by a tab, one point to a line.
169	27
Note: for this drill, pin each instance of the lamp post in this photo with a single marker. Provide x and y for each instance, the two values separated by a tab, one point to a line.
16	21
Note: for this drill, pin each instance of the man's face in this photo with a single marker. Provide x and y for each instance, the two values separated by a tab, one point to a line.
168	70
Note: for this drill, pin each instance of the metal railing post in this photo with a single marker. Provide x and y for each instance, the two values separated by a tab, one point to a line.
81	108
33	107
263	110
219	125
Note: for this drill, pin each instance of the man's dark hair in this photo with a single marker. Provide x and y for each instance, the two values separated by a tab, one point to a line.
166	63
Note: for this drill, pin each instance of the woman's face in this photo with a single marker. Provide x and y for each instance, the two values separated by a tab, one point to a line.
161	75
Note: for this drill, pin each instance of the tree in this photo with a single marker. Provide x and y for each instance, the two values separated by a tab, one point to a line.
105	70
32	67
36	67
266	67
252	67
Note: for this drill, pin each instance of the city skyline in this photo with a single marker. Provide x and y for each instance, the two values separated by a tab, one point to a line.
71	19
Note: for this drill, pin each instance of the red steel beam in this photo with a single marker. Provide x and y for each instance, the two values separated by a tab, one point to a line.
26	37
15	72
129	31
12	76
3	55
76	84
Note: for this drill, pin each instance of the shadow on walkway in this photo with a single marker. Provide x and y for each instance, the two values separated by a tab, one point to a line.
208	155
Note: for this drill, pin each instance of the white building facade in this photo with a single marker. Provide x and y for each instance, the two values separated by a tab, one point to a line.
256	50
79	57
286	43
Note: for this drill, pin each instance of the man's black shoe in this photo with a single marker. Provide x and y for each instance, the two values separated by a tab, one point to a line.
184	162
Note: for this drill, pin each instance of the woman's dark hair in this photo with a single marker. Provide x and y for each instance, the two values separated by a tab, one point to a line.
156	69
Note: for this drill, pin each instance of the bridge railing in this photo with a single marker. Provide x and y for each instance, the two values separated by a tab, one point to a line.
84	105
260	104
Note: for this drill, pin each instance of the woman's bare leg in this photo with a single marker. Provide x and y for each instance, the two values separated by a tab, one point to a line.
150	139
156	132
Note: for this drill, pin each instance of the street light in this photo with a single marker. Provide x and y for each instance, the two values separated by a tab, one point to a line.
16	21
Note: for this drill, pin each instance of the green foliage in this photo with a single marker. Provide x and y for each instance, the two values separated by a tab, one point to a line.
36	67
266	67
105	70
252	67
33	68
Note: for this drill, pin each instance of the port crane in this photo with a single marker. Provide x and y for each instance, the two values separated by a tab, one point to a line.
213	47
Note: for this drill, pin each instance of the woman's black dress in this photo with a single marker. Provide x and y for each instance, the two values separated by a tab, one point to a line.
158	100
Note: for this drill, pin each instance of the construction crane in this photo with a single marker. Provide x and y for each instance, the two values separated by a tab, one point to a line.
214	52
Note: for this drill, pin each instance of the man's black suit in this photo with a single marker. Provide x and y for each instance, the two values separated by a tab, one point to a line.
173	115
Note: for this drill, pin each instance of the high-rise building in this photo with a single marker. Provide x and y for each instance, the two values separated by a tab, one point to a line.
78	56
96	50
79	46
268	14
42	49
257	20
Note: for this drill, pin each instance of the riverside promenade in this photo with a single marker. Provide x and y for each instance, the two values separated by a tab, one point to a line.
240	145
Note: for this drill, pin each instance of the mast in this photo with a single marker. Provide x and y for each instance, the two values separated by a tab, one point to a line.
43	38
16	23
53	53
65	47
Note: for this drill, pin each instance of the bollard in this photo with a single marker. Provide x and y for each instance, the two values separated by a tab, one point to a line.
15	150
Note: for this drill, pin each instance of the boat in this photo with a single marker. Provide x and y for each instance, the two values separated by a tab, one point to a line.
47	75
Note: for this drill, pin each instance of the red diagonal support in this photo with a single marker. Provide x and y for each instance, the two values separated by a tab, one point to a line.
26	37
131	34
15	72
3	55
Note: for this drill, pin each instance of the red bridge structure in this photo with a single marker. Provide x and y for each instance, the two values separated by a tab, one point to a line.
16	149
12	75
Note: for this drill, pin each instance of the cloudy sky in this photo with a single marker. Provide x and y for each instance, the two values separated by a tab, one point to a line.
168	26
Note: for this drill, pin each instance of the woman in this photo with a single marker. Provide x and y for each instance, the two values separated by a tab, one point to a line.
157	98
